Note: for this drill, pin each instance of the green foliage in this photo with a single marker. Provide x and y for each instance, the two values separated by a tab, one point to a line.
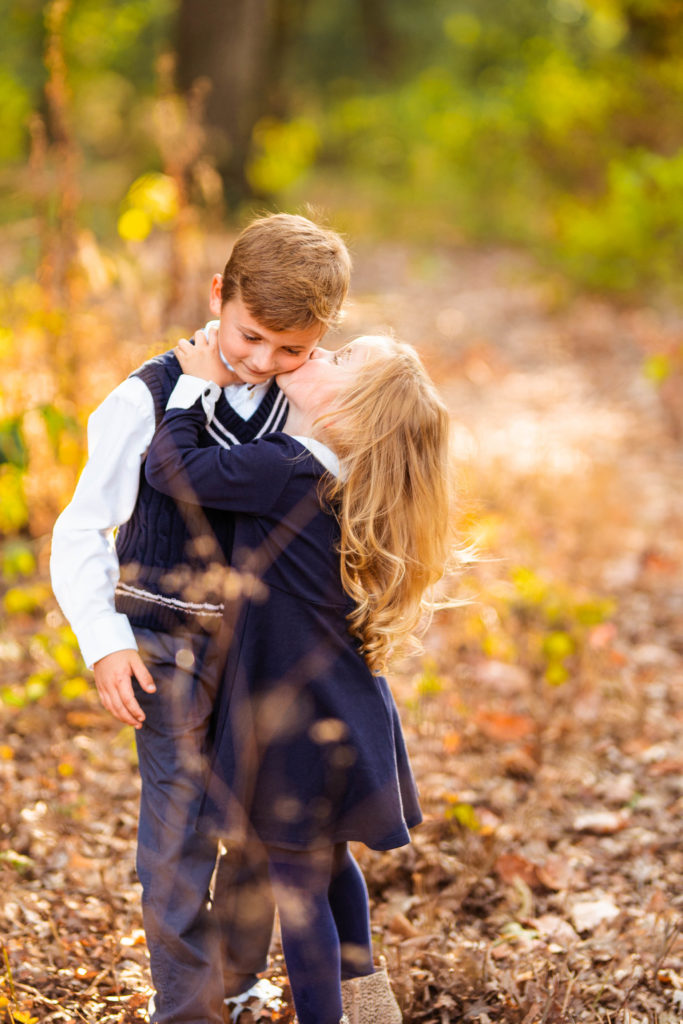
14	515
21	863
525	122
151	201
658	367
57	667
467	119
430	683
25	600
556	619
465	815
17	560
58	424
283	153
543	623
12	445
633	232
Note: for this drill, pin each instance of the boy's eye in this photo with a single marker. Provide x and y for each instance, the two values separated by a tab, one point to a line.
293	351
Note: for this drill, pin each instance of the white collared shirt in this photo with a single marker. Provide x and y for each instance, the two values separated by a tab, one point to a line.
188	389
83	565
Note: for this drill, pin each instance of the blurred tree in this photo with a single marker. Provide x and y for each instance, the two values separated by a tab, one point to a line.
254	52
229	44
382	41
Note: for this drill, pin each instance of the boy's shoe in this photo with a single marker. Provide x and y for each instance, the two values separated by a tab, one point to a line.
263	995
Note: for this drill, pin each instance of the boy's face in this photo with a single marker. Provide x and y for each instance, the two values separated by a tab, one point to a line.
255	352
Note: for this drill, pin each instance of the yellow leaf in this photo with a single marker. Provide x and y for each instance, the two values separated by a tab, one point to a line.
76	687
25	600
66	657
134	225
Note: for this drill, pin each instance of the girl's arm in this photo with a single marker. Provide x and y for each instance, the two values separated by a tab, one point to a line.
245	478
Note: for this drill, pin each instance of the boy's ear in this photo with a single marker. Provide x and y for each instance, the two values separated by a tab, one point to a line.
215	304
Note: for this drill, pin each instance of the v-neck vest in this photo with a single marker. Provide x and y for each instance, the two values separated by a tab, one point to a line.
173	553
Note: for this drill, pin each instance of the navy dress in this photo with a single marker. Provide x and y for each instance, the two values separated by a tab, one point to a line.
308	743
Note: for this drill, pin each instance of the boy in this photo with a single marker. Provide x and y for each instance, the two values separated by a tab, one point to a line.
144	612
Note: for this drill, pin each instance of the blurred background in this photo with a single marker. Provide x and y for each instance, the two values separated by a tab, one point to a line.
133	132
509	178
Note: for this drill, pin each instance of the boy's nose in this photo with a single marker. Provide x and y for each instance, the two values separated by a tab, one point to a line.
322	353
262	361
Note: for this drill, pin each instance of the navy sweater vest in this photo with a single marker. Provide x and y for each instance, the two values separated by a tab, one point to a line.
173	553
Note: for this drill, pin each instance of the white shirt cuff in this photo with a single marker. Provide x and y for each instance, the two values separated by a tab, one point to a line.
188	389
325	456
104	636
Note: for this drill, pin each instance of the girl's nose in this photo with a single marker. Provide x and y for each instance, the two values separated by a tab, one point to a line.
322	353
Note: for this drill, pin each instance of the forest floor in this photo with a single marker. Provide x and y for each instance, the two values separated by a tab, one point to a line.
543	720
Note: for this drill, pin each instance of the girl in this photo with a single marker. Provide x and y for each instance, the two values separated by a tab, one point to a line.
341	525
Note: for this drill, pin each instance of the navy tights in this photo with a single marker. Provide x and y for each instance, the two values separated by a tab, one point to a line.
322	901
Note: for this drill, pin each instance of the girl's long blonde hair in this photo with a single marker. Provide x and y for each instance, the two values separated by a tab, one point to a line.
390	431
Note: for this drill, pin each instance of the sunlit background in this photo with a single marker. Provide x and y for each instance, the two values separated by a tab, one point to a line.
134	132
509	177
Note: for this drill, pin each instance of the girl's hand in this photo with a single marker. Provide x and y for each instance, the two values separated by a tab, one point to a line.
203	360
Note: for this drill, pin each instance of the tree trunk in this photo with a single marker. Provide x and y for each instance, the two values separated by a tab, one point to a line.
381	42
228	42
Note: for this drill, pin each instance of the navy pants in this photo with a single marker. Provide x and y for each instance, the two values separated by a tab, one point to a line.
208	919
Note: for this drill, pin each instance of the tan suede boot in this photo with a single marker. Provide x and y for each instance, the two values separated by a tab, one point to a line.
369	1000
344	1020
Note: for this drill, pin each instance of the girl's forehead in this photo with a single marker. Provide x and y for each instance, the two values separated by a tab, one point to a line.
367	344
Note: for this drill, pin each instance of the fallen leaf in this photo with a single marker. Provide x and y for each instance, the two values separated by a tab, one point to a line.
452	742
502	677
553	927
588	914
556	872
503	727
510	866
400	925
519	763
601	823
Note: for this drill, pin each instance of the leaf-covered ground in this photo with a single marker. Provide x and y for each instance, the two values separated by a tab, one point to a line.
544	718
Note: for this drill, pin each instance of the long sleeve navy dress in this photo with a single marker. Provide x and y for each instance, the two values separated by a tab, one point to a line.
308	747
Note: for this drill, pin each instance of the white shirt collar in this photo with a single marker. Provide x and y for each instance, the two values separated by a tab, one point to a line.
323	454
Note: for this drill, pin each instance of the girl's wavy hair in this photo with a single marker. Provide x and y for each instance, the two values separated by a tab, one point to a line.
390	430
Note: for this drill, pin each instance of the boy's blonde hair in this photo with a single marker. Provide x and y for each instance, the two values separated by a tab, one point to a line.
390	430
290	273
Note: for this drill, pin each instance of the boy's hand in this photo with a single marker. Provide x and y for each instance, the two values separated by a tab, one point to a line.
203	359
113	679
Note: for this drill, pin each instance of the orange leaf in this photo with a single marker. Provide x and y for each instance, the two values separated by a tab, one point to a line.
512	865
498	725
451	742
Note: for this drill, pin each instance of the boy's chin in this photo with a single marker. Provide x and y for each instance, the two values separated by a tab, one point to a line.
253	378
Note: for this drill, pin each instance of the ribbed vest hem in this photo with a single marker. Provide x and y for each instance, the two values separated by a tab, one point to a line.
150	613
